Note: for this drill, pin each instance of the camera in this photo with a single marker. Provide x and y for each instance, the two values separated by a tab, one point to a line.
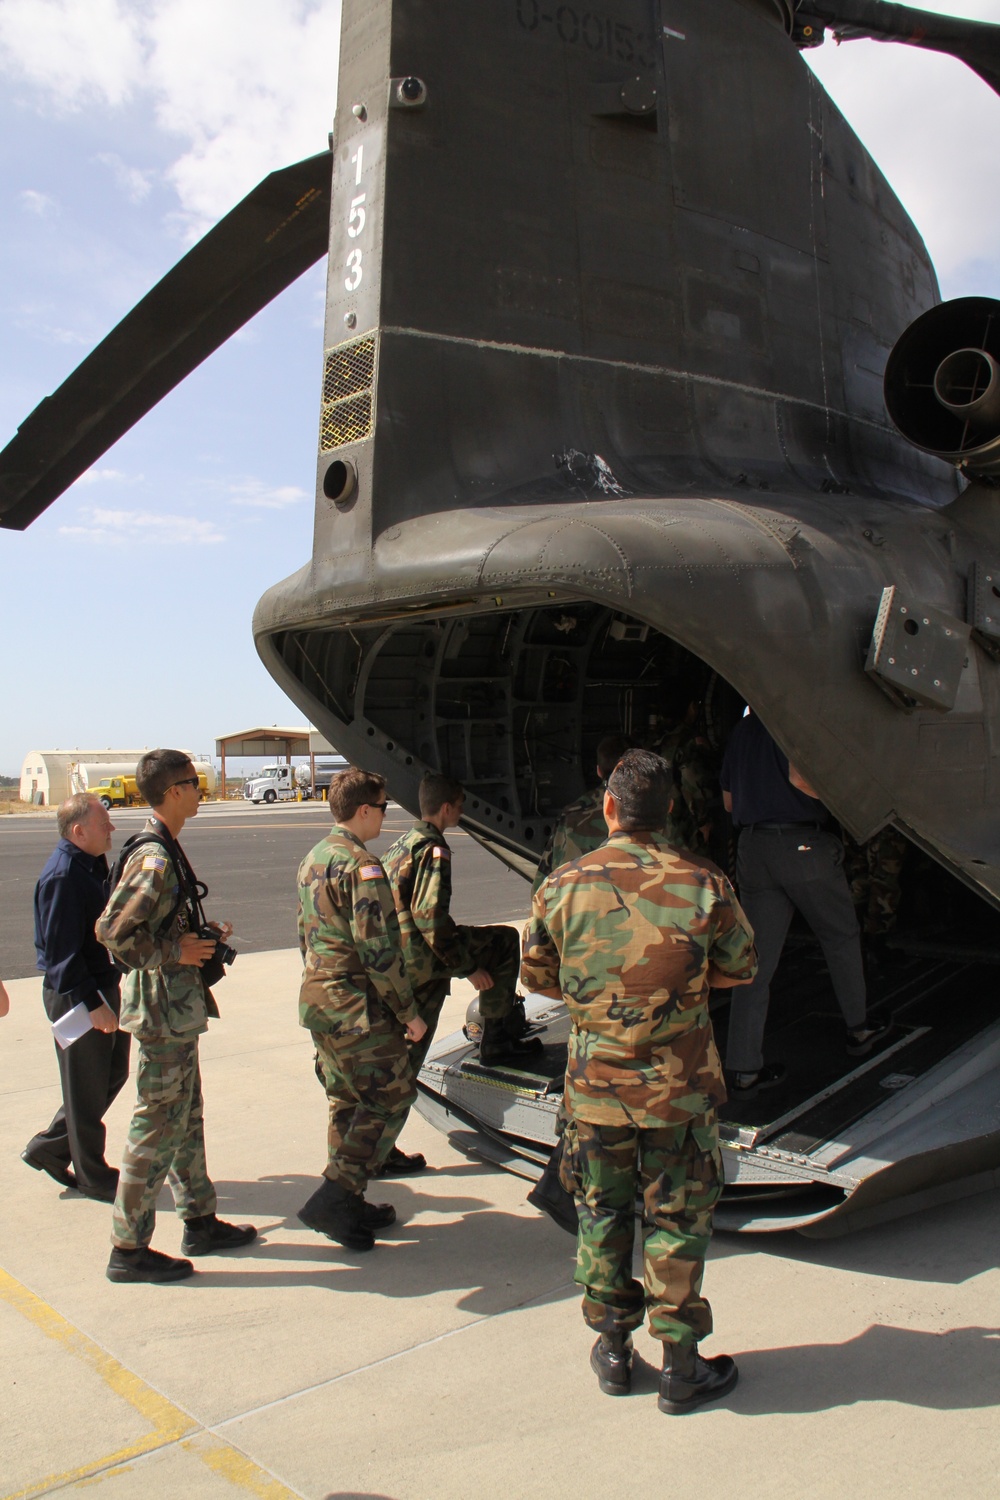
214	968
223	954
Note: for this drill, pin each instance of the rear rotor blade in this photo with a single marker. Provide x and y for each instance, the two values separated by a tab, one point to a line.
976	43
268	240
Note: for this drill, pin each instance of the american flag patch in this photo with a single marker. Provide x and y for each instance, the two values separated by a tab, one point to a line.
371	872
441	852
154	862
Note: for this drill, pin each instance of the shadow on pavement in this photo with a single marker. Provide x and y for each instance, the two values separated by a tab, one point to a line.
285	1195
516	1259
943	1371
949	1244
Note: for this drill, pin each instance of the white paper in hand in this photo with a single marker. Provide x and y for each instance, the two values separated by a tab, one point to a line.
72	1026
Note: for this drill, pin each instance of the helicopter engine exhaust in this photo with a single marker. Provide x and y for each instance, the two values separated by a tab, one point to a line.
942	384
967	383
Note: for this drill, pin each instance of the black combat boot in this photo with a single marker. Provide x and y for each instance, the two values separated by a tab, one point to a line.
497	1045
205	1235
145	1264
687	1380
377	1215
334	1211
611	1362
398	1164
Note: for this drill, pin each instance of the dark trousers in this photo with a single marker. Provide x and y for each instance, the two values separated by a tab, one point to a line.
92	1072
777	873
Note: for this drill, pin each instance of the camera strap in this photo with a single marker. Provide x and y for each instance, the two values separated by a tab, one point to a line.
193	890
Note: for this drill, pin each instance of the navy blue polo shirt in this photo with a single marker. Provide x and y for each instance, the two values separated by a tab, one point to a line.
71	893
755	773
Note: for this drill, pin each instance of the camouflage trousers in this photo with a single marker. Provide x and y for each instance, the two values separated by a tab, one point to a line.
166	1140
369	1086
498	951
429	999
678	1170
873	871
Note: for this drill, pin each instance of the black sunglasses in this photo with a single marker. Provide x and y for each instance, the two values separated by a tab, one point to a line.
378	806
187	781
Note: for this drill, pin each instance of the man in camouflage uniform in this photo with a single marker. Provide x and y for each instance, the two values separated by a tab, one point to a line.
436	950
147	926
633	936
581	826
873	871
357	1002
695	774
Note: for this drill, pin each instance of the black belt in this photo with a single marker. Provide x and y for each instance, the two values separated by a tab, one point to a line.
783	827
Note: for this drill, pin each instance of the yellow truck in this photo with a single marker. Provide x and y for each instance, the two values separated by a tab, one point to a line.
118	791
123	791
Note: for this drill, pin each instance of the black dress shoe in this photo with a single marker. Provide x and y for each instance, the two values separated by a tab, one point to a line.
207	1234
102	1193
398	1164
611	1362
147	1265
58	1170
687	1381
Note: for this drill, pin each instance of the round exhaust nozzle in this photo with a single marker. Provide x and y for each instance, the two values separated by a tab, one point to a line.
942	383
968	384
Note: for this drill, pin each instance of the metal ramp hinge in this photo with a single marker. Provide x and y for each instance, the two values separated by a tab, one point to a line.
917	653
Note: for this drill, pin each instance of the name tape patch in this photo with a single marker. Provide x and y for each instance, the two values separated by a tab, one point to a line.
154	862
371	872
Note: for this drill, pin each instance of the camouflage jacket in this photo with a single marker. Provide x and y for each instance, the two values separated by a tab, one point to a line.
161	997
419	869
350	942
627	933
581	827
696	780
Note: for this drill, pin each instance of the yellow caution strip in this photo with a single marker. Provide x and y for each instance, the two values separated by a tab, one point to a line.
168	1422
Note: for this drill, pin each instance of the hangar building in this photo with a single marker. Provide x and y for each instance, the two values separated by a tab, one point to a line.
45	774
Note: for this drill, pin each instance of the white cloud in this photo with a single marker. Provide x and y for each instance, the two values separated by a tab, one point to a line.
77	51
103	476
244	86
35	318
254	492
34	202
120	527
134	183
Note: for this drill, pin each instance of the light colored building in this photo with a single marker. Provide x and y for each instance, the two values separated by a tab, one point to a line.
46	774
48	777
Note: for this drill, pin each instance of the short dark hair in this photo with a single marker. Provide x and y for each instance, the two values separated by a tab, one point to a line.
157	771
642	785
609	752
435	789
76	809
351	789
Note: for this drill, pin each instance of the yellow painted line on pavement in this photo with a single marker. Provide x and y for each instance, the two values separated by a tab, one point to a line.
168	1422
236	1467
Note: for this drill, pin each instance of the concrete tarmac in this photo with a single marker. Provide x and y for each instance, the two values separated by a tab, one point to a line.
452	1361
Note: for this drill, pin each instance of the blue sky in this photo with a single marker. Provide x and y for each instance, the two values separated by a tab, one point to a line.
126	128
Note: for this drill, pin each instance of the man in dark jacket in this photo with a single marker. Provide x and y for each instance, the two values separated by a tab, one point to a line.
69	897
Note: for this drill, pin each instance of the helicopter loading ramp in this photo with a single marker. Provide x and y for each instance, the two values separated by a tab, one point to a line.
840	1147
